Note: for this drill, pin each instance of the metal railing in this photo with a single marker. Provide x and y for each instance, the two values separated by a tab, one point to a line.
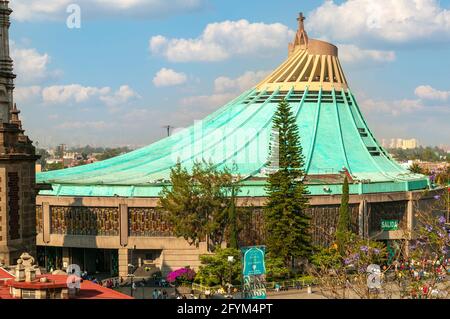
271	285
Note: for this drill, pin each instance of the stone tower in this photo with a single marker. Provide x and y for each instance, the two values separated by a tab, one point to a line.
17	163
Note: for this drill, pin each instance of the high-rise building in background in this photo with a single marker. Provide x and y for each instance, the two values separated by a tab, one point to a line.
405	144
17	163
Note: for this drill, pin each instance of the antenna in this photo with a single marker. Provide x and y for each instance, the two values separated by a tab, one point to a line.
168	127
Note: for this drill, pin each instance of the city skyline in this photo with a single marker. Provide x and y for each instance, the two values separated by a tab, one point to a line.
144	71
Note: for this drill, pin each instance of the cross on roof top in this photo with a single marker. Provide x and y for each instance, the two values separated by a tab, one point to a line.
301	18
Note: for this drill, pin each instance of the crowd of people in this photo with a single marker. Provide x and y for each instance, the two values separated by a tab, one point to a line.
419	271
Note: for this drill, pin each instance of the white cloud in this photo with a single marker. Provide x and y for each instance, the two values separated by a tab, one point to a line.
96	125
207	101
389	20
394	108
241	83
76	93
169	77
32	10
121	96
429	93
219	41
30	65
26	94
352	54
72	93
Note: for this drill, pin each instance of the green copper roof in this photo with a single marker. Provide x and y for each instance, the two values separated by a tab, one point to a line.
334	135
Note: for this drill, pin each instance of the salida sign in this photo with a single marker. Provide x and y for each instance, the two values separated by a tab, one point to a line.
389	224
254	272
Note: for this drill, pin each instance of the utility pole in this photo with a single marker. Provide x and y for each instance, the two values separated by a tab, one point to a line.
168	127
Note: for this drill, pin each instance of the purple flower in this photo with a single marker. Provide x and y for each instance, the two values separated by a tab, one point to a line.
181	274
364	249
376	251
442	220
355	256
347	261
429	228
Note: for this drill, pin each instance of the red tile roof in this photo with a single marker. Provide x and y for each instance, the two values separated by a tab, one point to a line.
89	290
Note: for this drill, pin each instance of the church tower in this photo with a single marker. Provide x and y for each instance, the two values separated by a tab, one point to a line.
17	162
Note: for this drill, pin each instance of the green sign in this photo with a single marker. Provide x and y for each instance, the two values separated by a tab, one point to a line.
389	224
254	260
254	271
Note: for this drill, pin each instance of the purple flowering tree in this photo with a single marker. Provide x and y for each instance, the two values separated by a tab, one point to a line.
181	276
341	272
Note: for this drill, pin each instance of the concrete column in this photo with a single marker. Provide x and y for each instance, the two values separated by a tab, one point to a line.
124	260
46	222
123	211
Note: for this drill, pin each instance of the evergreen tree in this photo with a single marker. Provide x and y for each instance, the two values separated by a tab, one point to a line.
232	221
343	227
286	222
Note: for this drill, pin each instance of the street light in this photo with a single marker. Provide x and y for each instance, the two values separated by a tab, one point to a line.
230	262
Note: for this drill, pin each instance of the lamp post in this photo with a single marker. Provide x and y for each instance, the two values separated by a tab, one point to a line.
230	262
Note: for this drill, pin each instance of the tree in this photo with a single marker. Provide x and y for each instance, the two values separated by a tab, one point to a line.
217	270
198	203
44	155
233	222
415	168
286	222
343	226
54	166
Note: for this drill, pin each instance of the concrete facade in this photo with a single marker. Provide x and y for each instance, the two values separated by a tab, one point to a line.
175	252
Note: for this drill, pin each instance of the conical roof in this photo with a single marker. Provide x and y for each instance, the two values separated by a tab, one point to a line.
311	63
335	138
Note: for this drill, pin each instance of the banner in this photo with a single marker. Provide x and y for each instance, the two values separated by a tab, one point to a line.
254	272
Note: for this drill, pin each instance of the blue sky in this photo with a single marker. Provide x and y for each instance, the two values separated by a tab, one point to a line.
137	65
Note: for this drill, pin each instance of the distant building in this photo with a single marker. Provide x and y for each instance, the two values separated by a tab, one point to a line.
405	144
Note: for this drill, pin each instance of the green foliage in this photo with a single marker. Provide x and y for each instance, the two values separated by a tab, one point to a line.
344	215
54	166
327	258
276	269
111	152
44	156
216	269
416	169
355	255
286	222
199	203
233	222
427	154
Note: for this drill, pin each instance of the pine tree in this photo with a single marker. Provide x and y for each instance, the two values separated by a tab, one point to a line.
343	227
232	221
286	222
